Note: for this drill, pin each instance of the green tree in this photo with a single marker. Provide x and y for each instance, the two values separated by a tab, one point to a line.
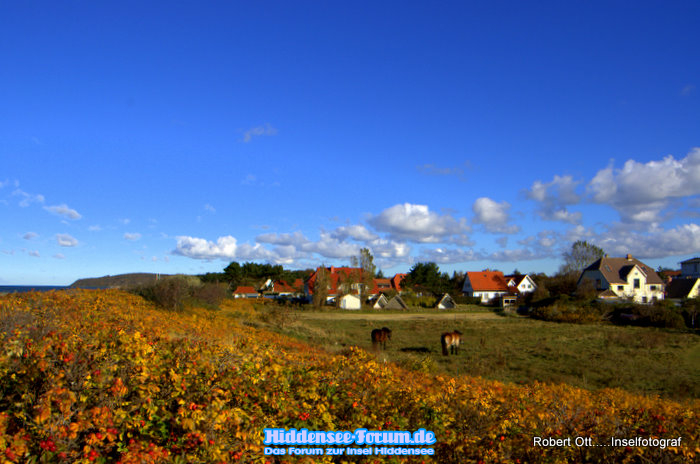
427	276
581	255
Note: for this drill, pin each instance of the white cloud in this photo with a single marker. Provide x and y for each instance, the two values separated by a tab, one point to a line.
132	237
448	255
209	208
493	215
225	248
521	254
27	199
330	247
66	240
94	228
655	243
59	256
554	197
688	90
30	235
259	131
35	254
63	210
641	191
356	232
297	239
417	223
199	248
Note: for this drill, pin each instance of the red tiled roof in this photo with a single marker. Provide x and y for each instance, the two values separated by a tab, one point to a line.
380	285
396	281
488	281
245	290
336	275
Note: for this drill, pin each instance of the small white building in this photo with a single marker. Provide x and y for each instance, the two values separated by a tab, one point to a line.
522	282
350	302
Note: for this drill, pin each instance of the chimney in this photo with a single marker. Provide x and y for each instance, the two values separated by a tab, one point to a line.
629	257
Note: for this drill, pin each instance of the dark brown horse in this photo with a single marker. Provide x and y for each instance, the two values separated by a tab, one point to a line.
451	340
379	337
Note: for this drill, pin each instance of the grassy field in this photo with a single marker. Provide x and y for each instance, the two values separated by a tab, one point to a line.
516	349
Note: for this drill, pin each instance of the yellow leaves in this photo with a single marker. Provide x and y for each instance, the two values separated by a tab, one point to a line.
43	414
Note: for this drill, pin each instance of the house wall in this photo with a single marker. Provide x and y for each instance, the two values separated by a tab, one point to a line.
598	279
646	293
487	296
350	302
527	285
691	269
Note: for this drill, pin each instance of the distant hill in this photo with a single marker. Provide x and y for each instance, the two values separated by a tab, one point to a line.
118	281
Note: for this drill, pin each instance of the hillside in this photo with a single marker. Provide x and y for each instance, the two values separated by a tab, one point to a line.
103	376
118	281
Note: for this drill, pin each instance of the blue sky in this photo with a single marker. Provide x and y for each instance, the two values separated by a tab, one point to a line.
176	137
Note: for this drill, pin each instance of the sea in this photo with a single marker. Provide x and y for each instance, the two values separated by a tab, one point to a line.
29	288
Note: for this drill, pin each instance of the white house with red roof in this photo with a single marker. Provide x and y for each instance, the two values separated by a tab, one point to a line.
486	285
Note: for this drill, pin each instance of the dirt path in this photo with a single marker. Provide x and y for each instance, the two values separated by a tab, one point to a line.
349	316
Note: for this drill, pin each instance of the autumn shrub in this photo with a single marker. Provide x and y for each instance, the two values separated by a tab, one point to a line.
564	309
175	292
120	380
466	300
657	315
210	293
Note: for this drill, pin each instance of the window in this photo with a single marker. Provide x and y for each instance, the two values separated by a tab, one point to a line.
636	283
620	288
652	287
644	299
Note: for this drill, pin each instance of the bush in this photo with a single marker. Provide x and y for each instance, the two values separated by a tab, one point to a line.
467	300
210	293
659	315
563	309
172	293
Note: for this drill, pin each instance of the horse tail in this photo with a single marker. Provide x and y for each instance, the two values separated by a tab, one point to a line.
443	341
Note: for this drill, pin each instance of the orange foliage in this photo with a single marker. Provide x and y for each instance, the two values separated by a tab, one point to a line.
103	376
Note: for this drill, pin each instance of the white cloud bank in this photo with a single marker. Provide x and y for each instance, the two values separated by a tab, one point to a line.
416	223
641	191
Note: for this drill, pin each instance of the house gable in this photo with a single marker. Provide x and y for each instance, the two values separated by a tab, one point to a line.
626	277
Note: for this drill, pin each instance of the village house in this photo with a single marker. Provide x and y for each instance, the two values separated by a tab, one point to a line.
523	283
624	278
690	268
345	280
243	291
486	285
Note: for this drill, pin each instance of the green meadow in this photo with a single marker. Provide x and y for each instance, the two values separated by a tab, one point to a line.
512	348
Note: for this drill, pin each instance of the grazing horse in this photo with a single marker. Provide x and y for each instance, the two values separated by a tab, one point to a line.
379	337
450	340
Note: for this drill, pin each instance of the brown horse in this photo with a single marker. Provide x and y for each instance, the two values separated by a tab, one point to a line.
451	340
379	337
